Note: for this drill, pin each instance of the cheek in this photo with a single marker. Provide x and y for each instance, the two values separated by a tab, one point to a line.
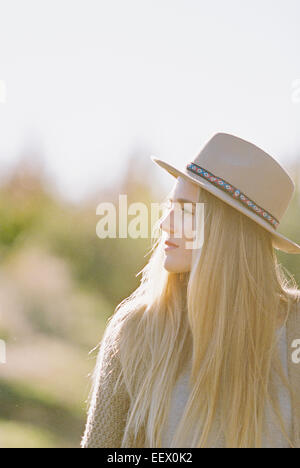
189	226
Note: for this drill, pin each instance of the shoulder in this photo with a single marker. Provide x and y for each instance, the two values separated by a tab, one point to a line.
119	330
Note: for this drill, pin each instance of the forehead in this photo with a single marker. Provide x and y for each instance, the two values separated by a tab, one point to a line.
184	188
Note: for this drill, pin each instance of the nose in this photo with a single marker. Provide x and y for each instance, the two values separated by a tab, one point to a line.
167	223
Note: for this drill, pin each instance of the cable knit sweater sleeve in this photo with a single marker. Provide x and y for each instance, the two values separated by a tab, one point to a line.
108	409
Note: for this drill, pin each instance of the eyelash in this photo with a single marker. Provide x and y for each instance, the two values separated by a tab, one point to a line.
169	203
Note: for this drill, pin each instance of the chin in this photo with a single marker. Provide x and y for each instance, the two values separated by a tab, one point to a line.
173	267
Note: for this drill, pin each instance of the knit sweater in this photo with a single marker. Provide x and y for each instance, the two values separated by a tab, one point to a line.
108	411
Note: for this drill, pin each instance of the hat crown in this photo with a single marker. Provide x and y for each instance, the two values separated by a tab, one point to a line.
250	169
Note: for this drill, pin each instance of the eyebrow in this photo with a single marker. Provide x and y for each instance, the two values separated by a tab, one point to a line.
182	200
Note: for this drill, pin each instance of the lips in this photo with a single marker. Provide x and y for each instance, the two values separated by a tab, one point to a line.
171	244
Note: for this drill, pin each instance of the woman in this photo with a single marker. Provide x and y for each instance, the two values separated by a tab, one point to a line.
200	355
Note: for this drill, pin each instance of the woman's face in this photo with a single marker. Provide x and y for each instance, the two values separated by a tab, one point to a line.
179	226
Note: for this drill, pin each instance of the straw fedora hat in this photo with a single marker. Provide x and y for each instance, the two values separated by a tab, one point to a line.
245	177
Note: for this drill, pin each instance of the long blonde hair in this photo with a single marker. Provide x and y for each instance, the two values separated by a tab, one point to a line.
222	316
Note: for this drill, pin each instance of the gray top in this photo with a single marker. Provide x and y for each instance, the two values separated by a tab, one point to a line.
181	392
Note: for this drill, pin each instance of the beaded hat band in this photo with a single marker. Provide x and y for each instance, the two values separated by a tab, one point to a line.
234	192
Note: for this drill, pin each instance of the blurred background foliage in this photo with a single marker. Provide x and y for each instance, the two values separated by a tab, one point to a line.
59	284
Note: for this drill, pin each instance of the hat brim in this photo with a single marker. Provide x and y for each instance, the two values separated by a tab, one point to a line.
279	241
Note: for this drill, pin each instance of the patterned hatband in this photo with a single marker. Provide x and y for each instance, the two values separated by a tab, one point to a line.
234	192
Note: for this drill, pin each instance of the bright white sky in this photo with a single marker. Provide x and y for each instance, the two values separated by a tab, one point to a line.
89	81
